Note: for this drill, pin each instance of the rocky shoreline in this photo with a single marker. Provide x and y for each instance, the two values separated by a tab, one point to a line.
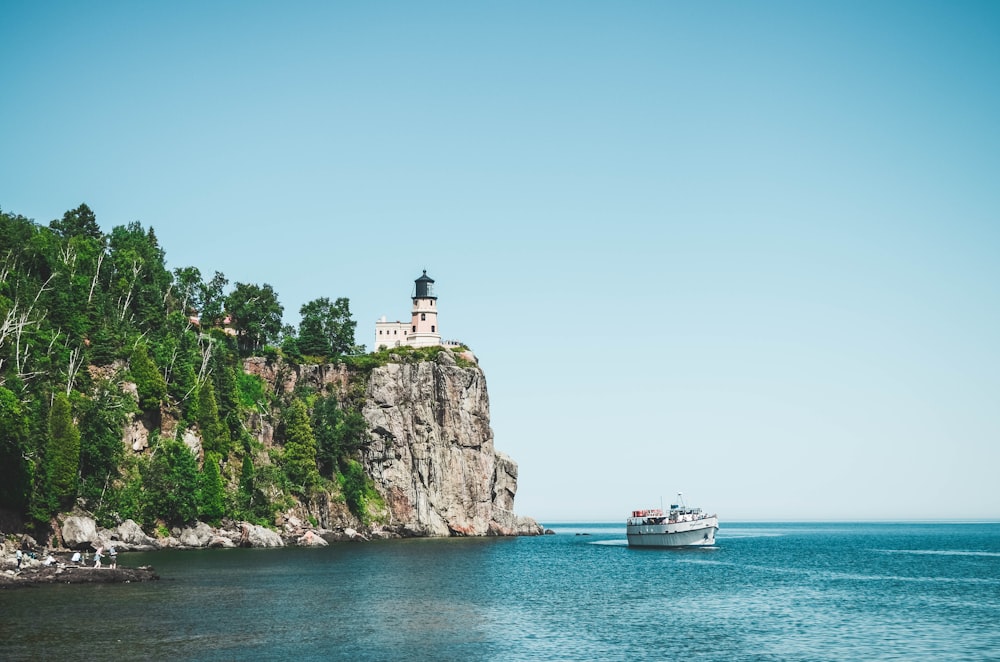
79	532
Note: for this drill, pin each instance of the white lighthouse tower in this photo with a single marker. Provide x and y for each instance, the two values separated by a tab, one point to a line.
423	321
423	330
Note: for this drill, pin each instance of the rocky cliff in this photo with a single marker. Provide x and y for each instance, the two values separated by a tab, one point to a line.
432	455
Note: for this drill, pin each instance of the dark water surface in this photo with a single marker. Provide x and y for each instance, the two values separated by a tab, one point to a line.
766	592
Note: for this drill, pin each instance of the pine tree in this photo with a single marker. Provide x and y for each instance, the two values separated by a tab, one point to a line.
62	457
211	493
214	433
171	483
299	456
149	383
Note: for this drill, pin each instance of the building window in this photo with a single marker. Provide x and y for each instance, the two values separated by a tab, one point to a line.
423	316
394	331
414	328
432	328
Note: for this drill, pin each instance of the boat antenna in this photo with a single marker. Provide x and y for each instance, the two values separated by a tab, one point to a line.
680	498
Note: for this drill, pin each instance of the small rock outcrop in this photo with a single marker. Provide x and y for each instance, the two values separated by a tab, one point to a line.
39	574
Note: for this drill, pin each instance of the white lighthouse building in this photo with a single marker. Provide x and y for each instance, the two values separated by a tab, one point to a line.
423	329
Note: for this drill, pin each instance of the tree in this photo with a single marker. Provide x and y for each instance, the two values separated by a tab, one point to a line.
212	300
214	433
339	433
79	222
256	315
326	328
62	457
101	451
171	483
312	341
299	456
15	471
138	279
251	500
187	289
211	492
149	383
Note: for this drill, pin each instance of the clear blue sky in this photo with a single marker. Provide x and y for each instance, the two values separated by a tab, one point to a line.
747	251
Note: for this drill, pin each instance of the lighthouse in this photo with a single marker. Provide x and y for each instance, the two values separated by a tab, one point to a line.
423	320
423	330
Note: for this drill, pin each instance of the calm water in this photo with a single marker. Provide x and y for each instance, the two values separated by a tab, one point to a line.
767	592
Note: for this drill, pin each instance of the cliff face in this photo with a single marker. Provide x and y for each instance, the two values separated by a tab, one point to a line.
432	454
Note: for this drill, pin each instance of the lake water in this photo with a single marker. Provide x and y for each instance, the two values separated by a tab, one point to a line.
766	592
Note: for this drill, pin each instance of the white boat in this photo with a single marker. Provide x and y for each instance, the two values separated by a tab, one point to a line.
680	527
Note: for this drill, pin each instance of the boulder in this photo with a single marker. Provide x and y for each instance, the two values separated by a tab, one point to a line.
257	536
292	523
352	534
310	539
133	536
199	535
78	532
136	436
221	542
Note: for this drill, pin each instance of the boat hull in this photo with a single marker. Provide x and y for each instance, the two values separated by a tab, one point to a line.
698	533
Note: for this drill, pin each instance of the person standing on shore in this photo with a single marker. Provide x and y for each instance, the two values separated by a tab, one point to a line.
19	557
97	557
113	555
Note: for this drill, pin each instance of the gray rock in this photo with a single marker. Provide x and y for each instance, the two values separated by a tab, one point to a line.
432	455
133	536
199	535
310	539
257	536
79	532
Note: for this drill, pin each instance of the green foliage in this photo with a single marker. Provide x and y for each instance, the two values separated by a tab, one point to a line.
214	433
339	433
187	290
102	418
149	383
15	472
171	483
80	222
326	329
126	497
359	491
256	316
298	458
212	300
407	354
62	457
211	492
138	278
178	352
251	391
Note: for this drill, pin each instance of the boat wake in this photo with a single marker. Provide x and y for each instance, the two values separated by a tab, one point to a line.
940	552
